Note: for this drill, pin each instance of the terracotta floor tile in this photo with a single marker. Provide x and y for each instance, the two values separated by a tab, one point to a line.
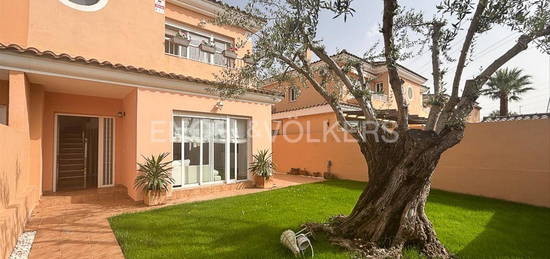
74	224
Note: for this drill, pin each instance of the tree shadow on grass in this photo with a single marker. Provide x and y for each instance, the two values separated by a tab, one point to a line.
473	227
478	227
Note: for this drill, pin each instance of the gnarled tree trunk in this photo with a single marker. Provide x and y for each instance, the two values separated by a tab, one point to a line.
389	214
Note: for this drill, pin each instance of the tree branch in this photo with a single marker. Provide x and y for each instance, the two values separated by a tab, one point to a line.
364	103
473	86
390	53
472	30
435	108
333	102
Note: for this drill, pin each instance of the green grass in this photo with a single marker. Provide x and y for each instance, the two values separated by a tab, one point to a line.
249	226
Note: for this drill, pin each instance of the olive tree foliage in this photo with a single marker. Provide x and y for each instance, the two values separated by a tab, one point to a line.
289	28
389	214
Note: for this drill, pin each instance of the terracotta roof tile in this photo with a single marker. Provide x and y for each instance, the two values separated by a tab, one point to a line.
533	116
346	105
14	48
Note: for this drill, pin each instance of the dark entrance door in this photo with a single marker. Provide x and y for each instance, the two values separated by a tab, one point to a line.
77	152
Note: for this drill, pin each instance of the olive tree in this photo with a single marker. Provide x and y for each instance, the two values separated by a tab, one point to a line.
390	212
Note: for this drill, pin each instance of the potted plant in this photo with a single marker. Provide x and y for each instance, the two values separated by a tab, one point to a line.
231	52
208	46
262	168
154	178
182	38
248	59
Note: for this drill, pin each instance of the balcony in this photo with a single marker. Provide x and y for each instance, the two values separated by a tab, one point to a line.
379	97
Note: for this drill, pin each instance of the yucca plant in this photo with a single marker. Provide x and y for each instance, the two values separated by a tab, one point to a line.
154	174
262	164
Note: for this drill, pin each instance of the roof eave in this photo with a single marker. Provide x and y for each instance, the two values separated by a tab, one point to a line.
92	70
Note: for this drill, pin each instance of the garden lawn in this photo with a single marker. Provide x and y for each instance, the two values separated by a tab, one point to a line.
249	226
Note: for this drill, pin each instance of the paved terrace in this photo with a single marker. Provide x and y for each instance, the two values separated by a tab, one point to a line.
74	224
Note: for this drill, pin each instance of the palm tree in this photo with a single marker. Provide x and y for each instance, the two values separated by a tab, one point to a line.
507	85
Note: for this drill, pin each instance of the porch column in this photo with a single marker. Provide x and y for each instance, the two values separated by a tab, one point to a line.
25	115
19	101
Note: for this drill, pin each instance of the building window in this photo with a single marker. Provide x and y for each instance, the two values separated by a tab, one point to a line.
85	2
410	93
172	48
293	93
379	88
85	5
187	44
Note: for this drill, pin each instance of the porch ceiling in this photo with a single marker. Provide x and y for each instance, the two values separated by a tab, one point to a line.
78	86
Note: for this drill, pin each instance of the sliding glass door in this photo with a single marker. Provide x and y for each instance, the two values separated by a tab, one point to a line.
239	149
209	150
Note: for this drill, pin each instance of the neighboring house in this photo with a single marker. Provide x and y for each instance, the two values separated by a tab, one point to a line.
303	122
88	87
303	105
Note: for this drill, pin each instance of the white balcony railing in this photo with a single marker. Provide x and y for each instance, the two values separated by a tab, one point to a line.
379	97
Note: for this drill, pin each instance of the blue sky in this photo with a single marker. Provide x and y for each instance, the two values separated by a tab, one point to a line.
361	31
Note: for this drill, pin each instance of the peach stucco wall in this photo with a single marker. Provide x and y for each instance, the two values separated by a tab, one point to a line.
124	31
58	103
504	160
317	139
128	139
14	21
155	122
19	143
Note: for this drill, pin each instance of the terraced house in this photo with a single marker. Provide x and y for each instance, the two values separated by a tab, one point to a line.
89	86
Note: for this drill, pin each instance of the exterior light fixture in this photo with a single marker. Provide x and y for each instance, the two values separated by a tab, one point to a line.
121	114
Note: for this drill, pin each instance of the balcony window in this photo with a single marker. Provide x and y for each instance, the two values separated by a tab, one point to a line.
293	94
192	49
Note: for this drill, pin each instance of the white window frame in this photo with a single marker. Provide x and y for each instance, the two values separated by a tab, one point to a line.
85	8
227	148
